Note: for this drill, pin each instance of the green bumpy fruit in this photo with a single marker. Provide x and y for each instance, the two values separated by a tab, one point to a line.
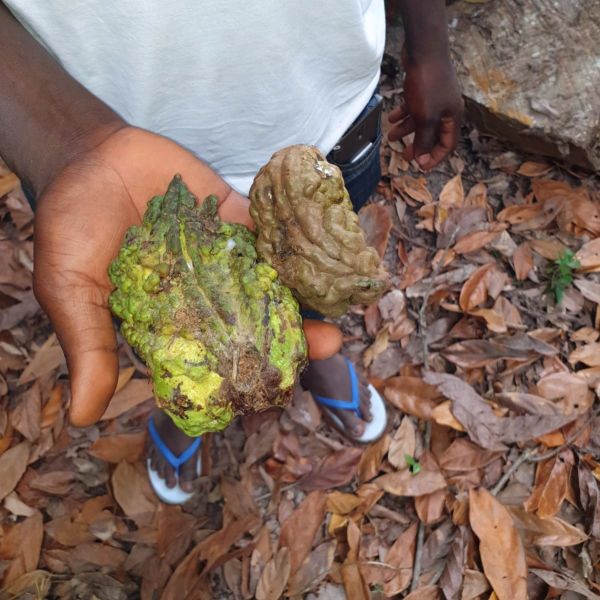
219	332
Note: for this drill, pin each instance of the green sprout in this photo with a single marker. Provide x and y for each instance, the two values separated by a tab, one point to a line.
560	274
413	464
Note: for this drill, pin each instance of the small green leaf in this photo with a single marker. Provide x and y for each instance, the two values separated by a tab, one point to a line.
413	464
560	274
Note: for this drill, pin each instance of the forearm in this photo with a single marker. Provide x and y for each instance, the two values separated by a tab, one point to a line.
46	117
425	28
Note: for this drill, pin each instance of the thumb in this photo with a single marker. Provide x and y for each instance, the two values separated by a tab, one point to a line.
424	142
323	339
83	325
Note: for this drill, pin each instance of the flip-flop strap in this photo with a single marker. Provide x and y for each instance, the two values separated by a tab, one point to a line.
174	461
353	404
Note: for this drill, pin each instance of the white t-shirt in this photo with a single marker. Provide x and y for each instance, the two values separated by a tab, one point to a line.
232	80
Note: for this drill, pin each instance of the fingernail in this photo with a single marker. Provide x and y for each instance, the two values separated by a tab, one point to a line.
423	159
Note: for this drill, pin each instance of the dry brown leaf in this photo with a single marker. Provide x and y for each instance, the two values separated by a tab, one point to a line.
452	194
342	503
209	553
546	531
335	470
174	533
532	217
523	261
442	415
15	314
382	340
401	557
475	290
475	584
484	427
52	407
370	462
520	213
477	196
417	267
414	188
476	240
427	592
135	392
588	355
124	377
101	555
464	455
566	580
568	391
551	485
54	482
49	357
402	444
372	319
119	447
22	544
315	568
589	494
405	483
500	546
534	169
545	189
26	416
589	256
35	584
411	395
354	583
12	466
550	249
590	290
68	531
480	353
274	577
299	529
376	222
132	490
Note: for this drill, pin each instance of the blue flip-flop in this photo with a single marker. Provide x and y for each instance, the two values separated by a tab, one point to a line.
174	495
374	428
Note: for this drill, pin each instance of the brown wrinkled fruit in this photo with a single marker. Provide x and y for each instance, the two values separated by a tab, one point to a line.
309	232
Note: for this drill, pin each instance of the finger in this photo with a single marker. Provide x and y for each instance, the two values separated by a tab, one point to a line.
398	114
235	209
425	139
448	138
323	339
79	313
403	129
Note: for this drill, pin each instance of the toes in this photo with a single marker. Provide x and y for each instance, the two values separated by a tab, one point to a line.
365	403
188	474
352	424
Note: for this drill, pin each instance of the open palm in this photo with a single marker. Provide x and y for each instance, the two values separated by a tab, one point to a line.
79	226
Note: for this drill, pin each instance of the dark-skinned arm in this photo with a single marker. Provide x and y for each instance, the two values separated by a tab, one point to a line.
46	117
92	174
432	103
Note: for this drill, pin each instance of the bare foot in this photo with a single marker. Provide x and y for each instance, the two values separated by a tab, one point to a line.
177	442
330	378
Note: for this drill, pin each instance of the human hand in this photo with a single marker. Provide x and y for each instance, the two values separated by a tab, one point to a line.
80	222
432	109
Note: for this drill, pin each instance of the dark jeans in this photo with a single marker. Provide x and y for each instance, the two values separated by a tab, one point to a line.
361	177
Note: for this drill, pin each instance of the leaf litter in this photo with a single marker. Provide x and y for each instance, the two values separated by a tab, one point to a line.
486	485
